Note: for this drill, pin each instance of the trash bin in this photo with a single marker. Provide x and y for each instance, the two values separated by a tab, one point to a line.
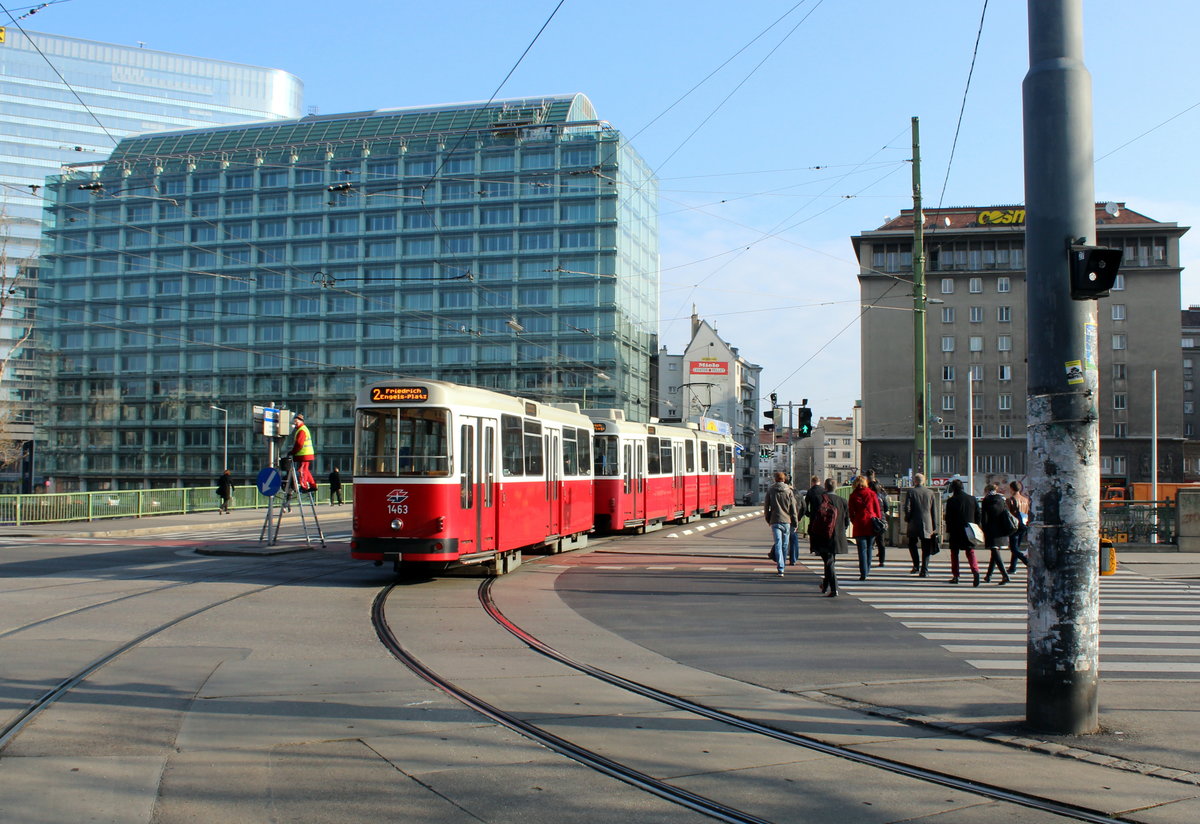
1108	557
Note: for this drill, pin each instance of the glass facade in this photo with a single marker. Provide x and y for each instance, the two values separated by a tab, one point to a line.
45	125
512	246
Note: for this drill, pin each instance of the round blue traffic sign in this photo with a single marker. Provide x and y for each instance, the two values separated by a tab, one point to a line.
269	481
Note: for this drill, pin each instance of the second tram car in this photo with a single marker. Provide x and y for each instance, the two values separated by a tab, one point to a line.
649	474
447	475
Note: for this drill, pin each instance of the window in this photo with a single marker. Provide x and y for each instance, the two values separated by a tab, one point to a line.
975	343
1005	401
343	224
531	241
947	286
1005	373
457	217
540	213
239	180
1003	284
418	220
1120	465
947	430
1188	343
947	403
1118	311
1189	407
947	373
1120	400
947	343
947	314
1119	283
381	222
495	215
1004	314
1118	371
1121	430
1004	343
976	314
1005	430
975	286
1118	342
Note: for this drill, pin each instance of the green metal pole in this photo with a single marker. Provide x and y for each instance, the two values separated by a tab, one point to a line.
920	413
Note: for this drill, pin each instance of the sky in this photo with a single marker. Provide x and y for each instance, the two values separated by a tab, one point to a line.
774	144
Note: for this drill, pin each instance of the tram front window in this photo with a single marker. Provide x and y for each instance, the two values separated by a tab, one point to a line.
402	442
606	463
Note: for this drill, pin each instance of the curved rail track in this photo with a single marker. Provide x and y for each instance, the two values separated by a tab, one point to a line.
661	788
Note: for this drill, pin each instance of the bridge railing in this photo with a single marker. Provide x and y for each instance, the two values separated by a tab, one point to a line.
57	507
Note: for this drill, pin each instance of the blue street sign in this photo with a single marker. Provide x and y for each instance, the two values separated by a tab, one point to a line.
269	481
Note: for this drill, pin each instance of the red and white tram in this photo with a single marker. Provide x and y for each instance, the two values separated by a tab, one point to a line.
447	474
649	474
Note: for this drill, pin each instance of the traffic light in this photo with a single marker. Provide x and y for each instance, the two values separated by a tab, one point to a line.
1093	271
804	430
773	416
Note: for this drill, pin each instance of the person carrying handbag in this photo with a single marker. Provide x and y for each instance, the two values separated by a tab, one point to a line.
997	526
961	512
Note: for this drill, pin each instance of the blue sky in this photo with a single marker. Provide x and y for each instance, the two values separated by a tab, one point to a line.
768	168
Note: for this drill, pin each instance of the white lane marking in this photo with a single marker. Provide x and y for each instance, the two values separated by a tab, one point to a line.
1164	667
714	569
660	568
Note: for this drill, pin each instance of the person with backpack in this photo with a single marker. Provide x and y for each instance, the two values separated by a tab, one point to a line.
782	513
921	516
997	526
828	532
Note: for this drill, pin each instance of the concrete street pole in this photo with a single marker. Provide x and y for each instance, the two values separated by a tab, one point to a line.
920	412
1063	441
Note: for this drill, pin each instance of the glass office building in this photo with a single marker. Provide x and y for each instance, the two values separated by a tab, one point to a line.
511	245
113	91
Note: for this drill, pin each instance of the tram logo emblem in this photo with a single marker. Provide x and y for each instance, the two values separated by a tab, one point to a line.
397	496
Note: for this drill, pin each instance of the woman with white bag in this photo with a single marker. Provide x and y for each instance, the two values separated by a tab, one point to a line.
962	513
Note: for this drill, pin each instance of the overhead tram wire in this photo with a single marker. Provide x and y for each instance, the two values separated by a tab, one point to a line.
50	63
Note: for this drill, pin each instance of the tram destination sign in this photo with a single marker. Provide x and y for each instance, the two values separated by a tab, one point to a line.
396	394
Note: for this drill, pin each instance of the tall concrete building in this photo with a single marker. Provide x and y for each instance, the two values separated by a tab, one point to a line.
976	344
712	380
68	100
1190	346
511	245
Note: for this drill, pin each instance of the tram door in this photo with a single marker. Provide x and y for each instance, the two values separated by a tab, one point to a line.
553	445
677	477
477	480
639	480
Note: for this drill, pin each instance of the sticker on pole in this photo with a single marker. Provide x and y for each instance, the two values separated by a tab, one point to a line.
268	481
1074	371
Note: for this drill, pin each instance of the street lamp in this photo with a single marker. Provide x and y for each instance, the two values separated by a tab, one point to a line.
225	453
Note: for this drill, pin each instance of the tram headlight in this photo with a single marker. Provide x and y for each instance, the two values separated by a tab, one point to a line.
397	524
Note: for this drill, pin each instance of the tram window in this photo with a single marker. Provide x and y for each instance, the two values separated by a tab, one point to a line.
466	481
402	442
652	464
584	439
704	457
570	452
606	462
690	457
512	445
533	448
666	459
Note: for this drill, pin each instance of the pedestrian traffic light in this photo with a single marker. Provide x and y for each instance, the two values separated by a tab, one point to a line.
804	430
1093	271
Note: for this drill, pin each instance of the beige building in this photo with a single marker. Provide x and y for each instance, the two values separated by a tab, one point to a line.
835	450
976	344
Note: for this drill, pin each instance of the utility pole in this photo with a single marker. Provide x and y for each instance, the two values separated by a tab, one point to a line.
920	412
1062	675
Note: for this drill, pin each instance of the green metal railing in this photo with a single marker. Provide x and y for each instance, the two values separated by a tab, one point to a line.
57	507
1137	522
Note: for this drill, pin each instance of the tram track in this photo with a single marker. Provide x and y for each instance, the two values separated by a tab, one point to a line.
613	767
13	727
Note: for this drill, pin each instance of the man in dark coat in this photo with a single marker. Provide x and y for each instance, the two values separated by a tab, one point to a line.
993	517
812	499
921	516
838	544
225	491
335	486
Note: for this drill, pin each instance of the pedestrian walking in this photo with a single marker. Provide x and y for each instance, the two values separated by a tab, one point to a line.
884	504
1018	505
828	533
994	519
961	510
921	519
793	552
225	492
335	486
864	513
808	508
782	513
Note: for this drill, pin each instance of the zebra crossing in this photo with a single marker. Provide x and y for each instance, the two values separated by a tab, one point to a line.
1148	627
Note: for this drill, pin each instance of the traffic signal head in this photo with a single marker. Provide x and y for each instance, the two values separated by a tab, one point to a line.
1093	271
773	416
804	430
